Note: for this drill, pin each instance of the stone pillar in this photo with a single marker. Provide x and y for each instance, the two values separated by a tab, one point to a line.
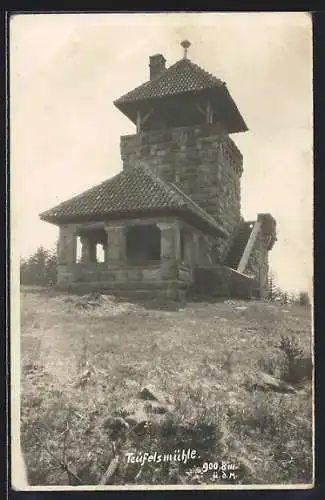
169	250
67	250
84	249
67	247
61	247
195	250
92	255
116	245
105	247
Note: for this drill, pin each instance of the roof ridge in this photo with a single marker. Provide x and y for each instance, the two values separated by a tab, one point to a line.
201	210
207	73
178	193
161	182
190	200
213	79
83	193
106	182
144	84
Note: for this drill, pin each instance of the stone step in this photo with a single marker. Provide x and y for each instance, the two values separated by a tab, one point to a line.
162	290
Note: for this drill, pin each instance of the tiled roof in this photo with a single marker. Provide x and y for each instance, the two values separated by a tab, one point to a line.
183	76
182	79
128	193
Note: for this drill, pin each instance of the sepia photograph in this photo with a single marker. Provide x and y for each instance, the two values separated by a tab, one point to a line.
161	185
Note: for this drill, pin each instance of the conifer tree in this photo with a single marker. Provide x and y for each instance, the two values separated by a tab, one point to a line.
39	268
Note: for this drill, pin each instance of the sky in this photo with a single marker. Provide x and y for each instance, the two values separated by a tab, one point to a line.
66	70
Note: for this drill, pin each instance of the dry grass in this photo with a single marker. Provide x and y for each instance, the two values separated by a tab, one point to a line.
201	355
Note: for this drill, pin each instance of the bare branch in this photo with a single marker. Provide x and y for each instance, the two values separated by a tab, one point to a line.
59	461
107	476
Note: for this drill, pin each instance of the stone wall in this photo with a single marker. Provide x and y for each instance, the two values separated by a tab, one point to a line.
201	249
258	264
173	290
203	161
100	272
222	281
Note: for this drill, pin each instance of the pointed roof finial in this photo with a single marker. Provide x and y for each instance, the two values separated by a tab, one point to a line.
185	44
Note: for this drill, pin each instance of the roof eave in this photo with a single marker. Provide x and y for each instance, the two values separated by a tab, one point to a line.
77	219
127	108
212	228
50	220
241	124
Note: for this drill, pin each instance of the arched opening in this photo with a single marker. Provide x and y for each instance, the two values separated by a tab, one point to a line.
143	245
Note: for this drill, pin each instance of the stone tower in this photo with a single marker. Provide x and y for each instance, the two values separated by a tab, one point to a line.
184	117
169	223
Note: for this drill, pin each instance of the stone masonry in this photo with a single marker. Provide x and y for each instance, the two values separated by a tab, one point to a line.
202	160
258	261
257	264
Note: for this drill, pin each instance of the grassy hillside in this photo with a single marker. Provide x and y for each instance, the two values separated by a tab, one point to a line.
84	361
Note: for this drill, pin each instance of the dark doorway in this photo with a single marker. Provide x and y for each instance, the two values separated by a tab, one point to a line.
143	245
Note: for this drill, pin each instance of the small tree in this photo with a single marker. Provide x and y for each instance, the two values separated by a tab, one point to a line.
37	266
39	269
274	292
285	297
304	300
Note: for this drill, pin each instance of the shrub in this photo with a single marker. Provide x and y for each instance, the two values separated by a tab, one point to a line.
298	366
281	424
273	365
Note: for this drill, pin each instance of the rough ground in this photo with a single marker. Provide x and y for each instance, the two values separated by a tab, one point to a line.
85	359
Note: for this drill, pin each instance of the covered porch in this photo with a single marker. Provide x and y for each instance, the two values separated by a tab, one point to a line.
129	254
